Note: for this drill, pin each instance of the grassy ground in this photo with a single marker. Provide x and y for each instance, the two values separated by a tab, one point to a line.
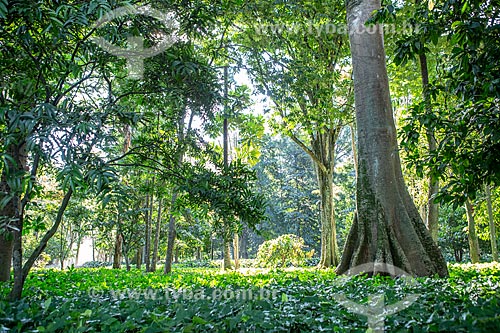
207	300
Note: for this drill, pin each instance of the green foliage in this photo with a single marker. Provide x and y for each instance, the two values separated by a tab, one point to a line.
281	251
96	264
90	300
462	38
286	172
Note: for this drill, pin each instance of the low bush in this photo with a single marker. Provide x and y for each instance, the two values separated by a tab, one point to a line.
283	251
96	264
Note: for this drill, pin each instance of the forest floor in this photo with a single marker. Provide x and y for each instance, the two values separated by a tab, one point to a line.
208	300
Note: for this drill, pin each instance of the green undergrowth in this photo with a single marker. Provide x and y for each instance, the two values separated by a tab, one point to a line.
207	300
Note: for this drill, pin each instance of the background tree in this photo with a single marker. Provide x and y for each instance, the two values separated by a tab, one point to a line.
302	75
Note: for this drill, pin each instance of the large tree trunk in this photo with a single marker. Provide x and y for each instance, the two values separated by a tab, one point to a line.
6	246
387	228
472	235
157	236
432	217
493	231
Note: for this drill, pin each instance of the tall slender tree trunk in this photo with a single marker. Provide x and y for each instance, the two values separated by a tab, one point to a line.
387	228
147	236
138	258
225	142
244	243
181	136
78	244
493	231
117	256
157	236
227	255
171	237
432	218
236	249
472	235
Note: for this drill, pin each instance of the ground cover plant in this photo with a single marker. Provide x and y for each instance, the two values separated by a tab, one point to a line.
206	299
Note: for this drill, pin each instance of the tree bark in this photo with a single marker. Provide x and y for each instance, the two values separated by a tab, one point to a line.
117	257
157	236
6	247
171	237
493	231
11	215
322	153
138	258
387	228
432	217
329	249
225	152
472	235
244	243
354	150
147	236
236	247
227	255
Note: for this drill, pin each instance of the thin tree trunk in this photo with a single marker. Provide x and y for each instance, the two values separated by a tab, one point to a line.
125	254
171	237
117	256
432	218
78	244
138	258
212	248
472	235
236	249
493	231
387	228
244	243
157	236
227	255
147	236
61	247
225	139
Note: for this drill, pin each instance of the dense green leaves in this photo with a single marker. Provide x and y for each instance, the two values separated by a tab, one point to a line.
276	301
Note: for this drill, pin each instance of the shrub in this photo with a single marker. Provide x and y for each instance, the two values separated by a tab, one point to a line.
96	264
282	251
42	260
